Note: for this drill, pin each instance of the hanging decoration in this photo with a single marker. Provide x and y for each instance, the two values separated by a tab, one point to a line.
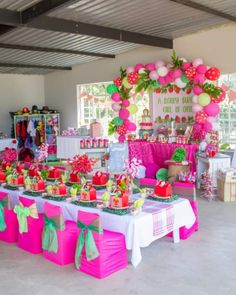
161	77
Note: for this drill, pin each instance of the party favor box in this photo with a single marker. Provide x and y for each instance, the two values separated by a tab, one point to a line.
99	178
119	199
226	185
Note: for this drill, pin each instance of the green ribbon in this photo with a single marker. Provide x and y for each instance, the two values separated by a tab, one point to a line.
50	241
22	214
2	217
86	237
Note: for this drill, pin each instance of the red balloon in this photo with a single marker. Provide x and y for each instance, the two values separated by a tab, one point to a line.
212	74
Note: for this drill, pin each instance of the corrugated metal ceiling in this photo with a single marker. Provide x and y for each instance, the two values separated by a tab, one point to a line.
161	18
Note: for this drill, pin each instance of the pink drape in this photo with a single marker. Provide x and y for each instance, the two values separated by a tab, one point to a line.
153	152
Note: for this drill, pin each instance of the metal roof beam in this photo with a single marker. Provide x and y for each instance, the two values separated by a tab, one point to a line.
41	8
5	29
206	9
53	50
15	65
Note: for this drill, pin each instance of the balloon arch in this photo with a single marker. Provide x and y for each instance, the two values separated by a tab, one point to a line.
159	77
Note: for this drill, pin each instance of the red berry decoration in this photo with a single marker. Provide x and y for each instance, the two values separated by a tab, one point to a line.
170	89
117	81
188	90
201	117
177	89
190	73
220	97
121	130
158	90
167	118
177	119
212	74
133	78
183	119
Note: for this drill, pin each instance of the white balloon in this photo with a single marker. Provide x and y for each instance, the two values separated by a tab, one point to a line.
141	70
197	61
195	99
162	71
159	63
183	59
180	83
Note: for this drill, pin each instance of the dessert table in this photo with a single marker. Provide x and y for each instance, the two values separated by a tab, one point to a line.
154	152
156	220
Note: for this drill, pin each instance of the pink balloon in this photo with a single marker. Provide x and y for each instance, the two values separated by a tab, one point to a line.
153	75
138	67
196	108
131	126
125	103
186	65
197	61
177	73
130	70
207	126
124	114
212	109
201	69
168	79
115	96
150	67
171	74
121	138
197	89
126	123
199	79
162	80
116	106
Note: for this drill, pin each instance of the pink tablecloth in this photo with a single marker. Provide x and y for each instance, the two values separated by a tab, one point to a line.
153	152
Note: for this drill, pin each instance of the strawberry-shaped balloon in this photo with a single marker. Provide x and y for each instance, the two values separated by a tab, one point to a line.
190	73
212	74
133	78
122	129
220	97
117	81
201	117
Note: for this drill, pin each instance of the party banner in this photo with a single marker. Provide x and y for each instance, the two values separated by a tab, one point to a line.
172	105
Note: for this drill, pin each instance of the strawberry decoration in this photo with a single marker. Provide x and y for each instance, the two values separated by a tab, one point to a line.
177	119
117	81
167	118
177	89
201	117
212	74
220	97
133	78
158	90
121	130
170	89
190	73
183	119
188	90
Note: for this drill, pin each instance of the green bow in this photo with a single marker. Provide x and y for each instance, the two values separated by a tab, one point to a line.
2	217
50	241
22	214
87	239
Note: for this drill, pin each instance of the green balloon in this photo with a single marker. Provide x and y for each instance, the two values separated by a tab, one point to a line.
126	84
204	99
133	109
162	174
111	88
184	78
118	121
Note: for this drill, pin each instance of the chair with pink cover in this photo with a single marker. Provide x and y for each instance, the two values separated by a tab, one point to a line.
99	253
8	220
59	236
187	191
30	226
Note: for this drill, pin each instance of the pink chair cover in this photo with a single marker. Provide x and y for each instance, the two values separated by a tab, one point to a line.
112	251
67	238
153	152
10	234
32	240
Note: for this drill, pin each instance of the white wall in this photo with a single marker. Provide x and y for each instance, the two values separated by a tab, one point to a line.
215	46
17	91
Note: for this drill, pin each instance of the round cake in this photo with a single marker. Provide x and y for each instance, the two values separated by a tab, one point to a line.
146	125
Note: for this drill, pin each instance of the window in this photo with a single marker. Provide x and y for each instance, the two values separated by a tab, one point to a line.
227	118
95	103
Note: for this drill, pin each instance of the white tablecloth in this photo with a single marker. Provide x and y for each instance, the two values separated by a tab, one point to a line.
7	142
138	230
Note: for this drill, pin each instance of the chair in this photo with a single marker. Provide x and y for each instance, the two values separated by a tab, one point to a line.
8	220
59	236
30	226
99	253
187	191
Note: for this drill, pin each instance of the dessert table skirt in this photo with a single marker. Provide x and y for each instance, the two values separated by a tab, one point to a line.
155	221
153	152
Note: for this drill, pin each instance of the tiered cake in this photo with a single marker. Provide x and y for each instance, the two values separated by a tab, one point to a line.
146	125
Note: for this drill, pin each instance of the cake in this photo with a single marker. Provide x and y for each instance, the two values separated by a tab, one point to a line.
163	190
74	177
2	176
146	125
53	173
119	199
99	178
88	193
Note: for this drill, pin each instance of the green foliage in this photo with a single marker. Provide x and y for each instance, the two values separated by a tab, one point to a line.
176	62
211	89
122	186
111	127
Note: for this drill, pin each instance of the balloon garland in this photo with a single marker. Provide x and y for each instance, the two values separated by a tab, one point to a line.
160	77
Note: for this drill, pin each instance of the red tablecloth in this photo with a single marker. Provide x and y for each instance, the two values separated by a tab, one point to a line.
153	152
